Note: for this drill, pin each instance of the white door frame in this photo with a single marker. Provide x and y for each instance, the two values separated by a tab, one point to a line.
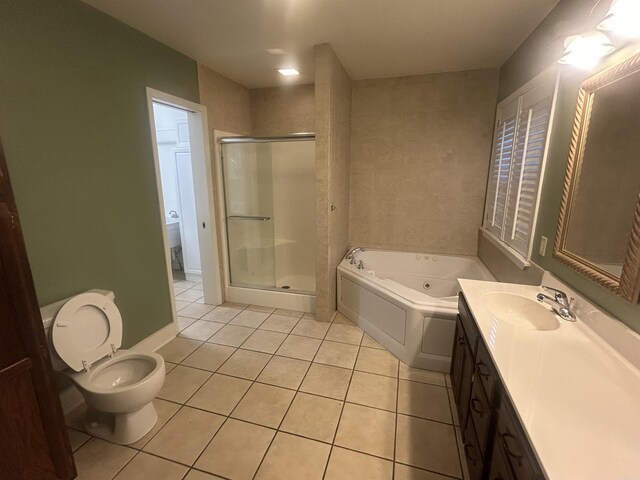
205	204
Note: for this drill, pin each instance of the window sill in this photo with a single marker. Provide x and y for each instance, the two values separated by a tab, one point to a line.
521	262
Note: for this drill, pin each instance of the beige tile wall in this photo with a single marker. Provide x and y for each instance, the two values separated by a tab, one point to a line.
228	110
228	103
420	150
332	124
282	110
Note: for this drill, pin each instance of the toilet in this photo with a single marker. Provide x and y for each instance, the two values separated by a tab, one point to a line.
118	386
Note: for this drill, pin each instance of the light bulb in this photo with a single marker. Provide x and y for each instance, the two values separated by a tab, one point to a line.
289	72
623	18
584	51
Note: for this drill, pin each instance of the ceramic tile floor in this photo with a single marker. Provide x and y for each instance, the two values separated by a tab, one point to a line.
259	393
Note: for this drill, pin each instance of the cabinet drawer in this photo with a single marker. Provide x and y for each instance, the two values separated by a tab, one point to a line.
480	411
468	324
471	451
515	445
485	371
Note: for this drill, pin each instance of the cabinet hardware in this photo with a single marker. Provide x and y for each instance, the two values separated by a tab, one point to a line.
474	402
510	452
483	370
467	452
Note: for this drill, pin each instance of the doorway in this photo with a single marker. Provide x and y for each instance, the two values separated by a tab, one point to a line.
185	194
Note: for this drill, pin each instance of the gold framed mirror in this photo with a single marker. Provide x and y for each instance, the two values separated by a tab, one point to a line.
599	224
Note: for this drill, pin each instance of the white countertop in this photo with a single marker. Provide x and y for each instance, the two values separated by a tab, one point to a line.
577	397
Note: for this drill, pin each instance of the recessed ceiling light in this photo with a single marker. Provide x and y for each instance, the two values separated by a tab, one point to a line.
288	72
276	51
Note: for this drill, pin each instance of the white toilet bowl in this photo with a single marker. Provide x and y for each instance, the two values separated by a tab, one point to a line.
118	386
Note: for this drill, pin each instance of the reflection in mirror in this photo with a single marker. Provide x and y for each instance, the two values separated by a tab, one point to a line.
608	180
599	223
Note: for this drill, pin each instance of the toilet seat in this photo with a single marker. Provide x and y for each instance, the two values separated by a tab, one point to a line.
87	328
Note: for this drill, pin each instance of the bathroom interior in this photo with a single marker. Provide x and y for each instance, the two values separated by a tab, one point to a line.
320	240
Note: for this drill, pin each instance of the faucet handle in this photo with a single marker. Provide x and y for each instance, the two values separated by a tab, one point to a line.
559	295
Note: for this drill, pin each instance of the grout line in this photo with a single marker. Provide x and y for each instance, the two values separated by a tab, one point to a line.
395	426
292	400
346	394
125	465
236	406
296	390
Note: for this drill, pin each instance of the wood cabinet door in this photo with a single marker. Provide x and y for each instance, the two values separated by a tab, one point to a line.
33	438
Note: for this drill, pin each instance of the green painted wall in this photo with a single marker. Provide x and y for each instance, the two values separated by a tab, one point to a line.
75	128
539	51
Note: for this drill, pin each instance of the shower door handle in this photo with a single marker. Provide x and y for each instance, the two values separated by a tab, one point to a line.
248	217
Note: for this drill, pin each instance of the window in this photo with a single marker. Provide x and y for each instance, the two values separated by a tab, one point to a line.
519	150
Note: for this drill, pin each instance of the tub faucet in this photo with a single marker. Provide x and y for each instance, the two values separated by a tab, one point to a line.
360	265
351	254
559	302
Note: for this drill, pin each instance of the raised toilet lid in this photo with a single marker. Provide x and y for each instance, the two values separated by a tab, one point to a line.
85	329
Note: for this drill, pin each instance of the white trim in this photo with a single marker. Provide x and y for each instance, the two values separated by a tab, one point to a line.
70	399
509	252
204	196
222	213
518	259
157	339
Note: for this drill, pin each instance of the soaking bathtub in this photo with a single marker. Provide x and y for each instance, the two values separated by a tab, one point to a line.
407	301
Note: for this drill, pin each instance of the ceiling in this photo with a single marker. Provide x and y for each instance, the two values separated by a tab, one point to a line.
373	38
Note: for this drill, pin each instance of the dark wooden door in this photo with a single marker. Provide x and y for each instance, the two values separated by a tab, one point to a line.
33	439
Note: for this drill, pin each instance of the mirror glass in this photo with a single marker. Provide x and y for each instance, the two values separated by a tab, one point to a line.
607	181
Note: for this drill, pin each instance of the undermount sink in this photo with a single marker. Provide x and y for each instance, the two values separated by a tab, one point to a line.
520	311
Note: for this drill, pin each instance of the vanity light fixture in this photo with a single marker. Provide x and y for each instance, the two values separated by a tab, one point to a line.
623	18
584	51
288	72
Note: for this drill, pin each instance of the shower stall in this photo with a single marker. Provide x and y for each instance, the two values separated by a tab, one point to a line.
269	220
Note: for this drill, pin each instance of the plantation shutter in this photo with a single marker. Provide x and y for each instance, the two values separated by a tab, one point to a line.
526	167
500	168
520	139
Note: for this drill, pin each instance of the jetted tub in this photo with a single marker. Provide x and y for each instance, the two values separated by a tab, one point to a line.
407	301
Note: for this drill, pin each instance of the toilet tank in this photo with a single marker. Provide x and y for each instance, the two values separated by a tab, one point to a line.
49	312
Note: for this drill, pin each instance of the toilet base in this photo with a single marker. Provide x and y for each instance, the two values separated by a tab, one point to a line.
122	428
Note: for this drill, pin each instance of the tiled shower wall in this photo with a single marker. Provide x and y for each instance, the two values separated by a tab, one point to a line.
282	110
420	151
228	103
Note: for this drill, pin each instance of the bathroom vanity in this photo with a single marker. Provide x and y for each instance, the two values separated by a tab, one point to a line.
493	437
539	397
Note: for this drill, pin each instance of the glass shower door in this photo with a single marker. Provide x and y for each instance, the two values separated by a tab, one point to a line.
248	194
270	208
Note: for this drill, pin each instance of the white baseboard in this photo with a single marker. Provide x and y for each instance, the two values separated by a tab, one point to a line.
156	340
71	398
193	275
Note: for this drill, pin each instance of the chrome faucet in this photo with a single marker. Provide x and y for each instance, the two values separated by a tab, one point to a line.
559	302
360	265
351	254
